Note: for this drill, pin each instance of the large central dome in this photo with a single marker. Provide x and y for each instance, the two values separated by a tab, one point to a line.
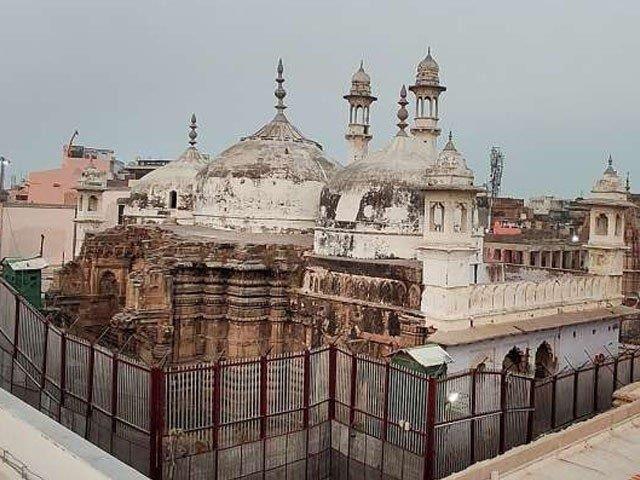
268	181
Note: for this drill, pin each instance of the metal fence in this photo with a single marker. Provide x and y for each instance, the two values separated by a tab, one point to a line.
320	414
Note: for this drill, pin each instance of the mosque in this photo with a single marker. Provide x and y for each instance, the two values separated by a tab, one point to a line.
271	246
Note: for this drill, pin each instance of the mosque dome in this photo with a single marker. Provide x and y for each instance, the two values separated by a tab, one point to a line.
268	181
374	207
610	182
170	186
360	82
428	71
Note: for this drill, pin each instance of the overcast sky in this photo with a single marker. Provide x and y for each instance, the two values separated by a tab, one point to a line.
554	83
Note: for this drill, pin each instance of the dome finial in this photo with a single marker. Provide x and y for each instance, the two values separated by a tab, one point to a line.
610	161
450	146
280	91
402	112
193	134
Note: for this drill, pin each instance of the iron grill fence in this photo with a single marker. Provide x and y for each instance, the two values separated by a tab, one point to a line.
319	414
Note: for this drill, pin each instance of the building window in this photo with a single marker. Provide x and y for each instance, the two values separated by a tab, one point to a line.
173	199
545	363
460	218
93	204
602	224
120	214
80	203
618	229
436	217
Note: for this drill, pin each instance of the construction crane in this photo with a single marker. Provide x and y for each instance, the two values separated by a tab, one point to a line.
496	159
73	137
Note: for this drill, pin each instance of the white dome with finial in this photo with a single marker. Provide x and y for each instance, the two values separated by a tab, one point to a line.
450	170
360	82
170	186
268	181
428	71
610	184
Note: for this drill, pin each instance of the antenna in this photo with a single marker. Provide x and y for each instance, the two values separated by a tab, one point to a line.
496	162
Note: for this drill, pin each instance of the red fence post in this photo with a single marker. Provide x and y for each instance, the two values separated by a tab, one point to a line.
114	400
596	373
472	426
217	371
16	330
263	396
63	372
575	395
43	373
87	422
306	389
503	411
532	412
156	424
263	410
352	390
554	380
332	382
430	430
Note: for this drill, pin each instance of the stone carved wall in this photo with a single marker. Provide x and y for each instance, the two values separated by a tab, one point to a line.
185	298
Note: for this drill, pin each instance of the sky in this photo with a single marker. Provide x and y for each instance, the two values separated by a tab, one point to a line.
553	83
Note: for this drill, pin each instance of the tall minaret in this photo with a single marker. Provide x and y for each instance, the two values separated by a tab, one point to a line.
360	100
427	90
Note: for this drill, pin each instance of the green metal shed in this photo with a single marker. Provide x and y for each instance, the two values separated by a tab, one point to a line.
25	275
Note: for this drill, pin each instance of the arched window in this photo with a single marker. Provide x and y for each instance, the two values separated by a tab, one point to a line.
93	204
618	225
173	199
602	224
436	217
80	198
460	219
515	361
545	364
108	285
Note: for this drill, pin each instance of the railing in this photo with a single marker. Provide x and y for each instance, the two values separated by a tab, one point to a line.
498	298
326	413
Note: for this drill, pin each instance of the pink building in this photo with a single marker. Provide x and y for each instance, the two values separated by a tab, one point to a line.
57	186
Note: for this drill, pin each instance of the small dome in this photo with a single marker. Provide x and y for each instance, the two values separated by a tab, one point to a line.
181	171
450	170
610	182
170	186
428	71
360	82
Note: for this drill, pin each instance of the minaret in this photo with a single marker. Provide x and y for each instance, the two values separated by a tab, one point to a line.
606	247
427	90
360	100
449	248
89	210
